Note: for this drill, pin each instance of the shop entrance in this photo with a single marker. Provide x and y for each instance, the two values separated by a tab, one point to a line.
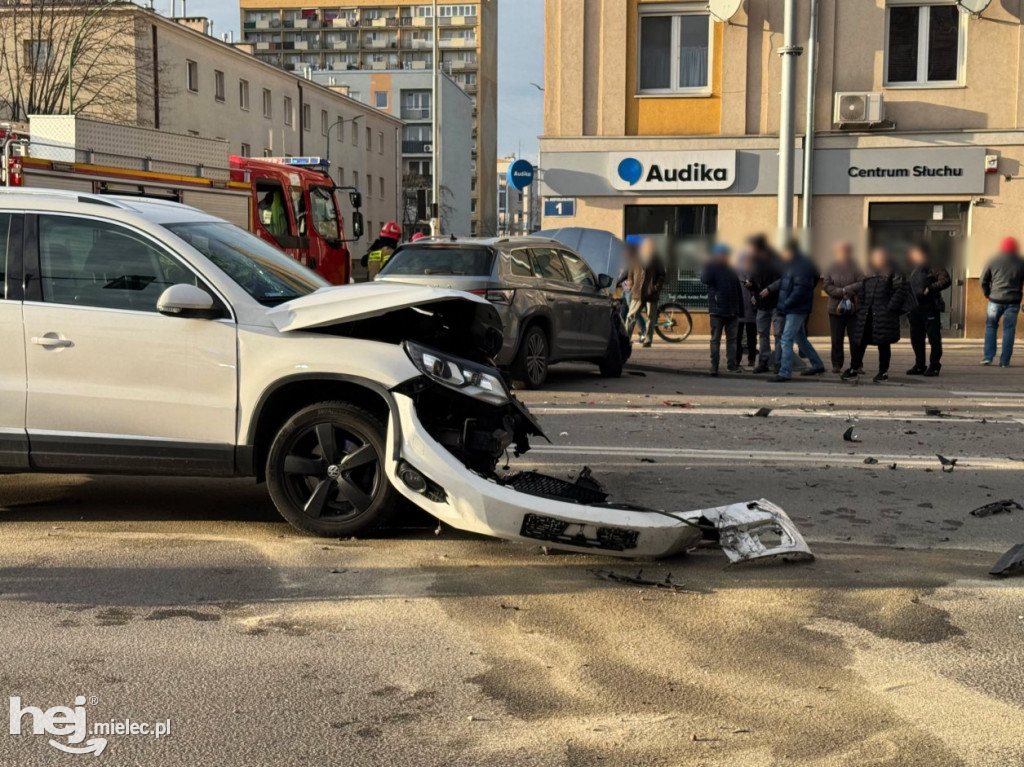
897	225
683	231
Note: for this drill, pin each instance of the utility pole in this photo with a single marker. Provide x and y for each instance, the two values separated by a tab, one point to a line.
435	131
789	52
812	83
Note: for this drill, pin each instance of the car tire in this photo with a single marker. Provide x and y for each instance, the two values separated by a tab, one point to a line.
325	471
533	358
612	363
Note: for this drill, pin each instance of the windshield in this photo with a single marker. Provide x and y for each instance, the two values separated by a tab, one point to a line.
440	259
325	214
266	274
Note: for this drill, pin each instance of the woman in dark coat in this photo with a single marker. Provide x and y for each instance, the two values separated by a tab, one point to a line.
885	296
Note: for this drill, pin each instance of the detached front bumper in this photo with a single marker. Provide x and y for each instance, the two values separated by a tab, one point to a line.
746	531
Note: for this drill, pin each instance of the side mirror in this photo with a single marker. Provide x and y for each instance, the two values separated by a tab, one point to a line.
355	199
357	223
187	301
604	281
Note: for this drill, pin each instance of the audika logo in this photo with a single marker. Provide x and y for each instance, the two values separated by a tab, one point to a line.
631	170
71	724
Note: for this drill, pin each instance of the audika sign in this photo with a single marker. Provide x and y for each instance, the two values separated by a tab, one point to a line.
653	172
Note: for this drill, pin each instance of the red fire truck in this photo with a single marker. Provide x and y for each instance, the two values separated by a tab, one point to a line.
295	206
290	202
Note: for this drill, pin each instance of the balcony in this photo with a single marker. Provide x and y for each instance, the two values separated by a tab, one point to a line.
417	147
415	113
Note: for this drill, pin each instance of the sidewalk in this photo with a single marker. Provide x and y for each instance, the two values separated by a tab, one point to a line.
960	362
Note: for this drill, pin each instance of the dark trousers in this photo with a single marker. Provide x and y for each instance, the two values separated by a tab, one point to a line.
841	326
746	342
926	323
729	326
858	350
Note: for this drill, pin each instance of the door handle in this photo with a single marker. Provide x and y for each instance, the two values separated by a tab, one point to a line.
52	341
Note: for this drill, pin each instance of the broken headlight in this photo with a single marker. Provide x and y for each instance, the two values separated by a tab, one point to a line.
465	377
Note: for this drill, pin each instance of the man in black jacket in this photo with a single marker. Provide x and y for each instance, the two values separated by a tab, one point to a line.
763	285
927	281
1002	282
725	306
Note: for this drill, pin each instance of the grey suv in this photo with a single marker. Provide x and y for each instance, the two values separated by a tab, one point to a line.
552	306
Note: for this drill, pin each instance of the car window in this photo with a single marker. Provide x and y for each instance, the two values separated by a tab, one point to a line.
262	271
84	262
579	272
440	259
547	264
325	214
519	263
5	231
273	210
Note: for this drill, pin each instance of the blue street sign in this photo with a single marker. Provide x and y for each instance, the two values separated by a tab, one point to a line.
520	174
555	207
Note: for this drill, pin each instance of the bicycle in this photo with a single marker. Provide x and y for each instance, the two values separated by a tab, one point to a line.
674	323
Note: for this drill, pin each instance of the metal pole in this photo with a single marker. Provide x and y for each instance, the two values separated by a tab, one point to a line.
787	119
74	50
812	82
435	112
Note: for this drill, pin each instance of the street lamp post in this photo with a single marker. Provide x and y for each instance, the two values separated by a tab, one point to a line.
74	50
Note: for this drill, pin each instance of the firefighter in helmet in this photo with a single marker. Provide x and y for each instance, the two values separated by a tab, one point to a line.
383	248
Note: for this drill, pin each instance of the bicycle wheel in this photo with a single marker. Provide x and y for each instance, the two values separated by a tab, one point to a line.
674	323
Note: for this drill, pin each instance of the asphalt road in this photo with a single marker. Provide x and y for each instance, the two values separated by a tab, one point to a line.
190	601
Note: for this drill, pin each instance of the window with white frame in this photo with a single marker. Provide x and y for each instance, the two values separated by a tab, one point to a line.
924	44
243	94
268	103
674	49
380	99
325	122
192	75
307	117
218	85
288	117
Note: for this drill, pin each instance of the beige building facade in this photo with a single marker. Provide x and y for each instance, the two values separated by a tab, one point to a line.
381	35
660	118
208	89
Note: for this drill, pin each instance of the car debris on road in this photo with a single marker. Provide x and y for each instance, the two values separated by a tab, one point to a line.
997	507
639	580
1011	563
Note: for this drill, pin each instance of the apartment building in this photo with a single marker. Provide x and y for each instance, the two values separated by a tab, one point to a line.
660	118
384	35
408	95
213	90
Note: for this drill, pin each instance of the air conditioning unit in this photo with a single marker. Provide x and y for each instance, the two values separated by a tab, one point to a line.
858	108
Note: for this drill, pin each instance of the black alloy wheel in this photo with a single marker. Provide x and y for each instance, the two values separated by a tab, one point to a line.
325	471
532	361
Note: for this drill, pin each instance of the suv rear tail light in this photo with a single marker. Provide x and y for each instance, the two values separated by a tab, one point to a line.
497	296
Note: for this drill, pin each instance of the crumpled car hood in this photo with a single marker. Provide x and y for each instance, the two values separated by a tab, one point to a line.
350	303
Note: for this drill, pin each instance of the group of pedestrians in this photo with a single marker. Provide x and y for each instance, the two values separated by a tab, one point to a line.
760	305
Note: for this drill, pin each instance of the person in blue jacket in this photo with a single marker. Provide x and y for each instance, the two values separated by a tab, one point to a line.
796	300
725	306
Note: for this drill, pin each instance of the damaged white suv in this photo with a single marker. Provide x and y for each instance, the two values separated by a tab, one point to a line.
145	337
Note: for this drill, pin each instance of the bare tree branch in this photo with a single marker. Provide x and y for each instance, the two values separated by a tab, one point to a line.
113	70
